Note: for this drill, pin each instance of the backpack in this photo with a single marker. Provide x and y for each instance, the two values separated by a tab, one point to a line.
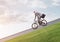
43	16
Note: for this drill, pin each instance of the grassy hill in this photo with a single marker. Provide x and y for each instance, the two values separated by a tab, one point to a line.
47	34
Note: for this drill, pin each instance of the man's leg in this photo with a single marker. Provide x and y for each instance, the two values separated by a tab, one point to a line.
39	21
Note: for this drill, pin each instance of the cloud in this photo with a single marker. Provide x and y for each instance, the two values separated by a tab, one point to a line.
37	4
16	10
56	2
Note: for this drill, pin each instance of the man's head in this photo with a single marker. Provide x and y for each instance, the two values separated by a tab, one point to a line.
34	12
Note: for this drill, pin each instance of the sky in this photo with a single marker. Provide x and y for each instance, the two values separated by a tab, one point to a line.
17	15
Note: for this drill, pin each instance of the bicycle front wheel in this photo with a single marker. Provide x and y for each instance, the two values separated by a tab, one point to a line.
34	25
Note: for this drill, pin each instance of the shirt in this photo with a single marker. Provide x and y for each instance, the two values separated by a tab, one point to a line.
38	15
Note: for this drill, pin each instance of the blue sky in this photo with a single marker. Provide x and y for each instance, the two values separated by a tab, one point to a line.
17	15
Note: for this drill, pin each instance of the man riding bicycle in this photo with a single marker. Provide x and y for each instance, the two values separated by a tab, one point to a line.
39	16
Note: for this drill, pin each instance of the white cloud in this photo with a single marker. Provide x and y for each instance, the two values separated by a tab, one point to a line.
37	4
12	8
23	1
56	2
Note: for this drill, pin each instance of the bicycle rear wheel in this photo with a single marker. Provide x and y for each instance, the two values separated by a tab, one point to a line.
44	22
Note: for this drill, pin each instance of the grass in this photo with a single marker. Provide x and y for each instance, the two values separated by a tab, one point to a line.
47	34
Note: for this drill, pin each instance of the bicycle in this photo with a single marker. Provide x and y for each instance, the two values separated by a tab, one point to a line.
35	25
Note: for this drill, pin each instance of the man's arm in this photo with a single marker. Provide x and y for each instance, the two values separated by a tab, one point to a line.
35	18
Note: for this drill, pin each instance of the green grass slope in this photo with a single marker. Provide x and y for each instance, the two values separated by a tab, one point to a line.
47	34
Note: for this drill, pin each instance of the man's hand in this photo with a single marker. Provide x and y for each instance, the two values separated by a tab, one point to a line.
34	19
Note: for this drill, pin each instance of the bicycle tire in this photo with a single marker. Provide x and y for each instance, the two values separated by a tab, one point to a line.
44	23
35	26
